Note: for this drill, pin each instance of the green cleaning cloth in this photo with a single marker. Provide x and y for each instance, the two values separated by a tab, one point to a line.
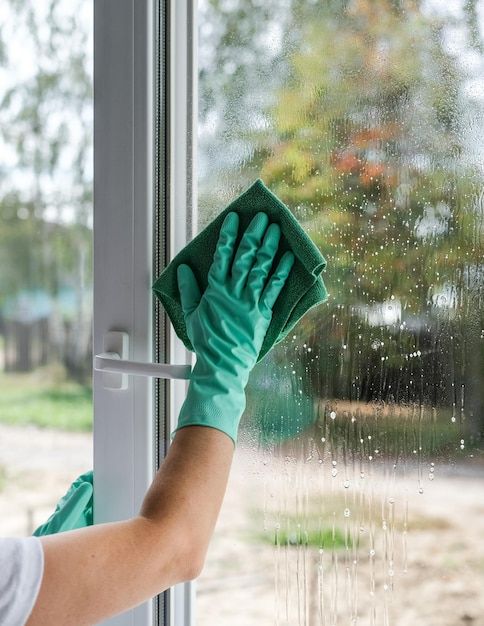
304	288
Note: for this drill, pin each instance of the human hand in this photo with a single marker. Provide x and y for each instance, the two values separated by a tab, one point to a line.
227	324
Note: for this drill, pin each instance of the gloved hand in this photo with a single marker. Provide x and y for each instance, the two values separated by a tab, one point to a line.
74	510
227	325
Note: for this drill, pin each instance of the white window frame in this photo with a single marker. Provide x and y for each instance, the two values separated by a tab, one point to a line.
144	164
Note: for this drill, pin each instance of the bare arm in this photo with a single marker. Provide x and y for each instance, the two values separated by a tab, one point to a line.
93	573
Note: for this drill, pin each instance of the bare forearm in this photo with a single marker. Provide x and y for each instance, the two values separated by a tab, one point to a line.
93	573
189	487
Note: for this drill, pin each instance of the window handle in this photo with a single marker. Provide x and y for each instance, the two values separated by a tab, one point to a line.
115	368
112	362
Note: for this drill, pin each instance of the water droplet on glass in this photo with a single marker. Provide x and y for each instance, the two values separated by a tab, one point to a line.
346	484
347	513
332	415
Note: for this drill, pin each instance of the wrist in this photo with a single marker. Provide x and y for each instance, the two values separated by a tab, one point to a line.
213	401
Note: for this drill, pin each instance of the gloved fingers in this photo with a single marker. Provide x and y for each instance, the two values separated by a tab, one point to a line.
224	251
263	262
70	516
277	281
42	530
247	250
68	512
189	290
87	477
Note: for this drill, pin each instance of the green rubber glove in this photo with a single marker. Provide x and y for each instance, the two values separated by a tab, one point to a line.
74	510
227	325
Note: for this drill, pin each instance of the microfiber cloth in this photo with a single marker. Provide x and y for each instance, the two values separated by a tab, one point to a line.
303	290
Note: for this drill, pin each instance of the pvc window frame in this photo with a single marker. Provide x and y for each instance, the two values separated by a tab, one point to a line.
144	210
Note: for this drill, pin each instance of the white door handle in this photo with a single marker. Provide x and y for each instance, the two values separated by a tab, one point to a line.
112	362
115	367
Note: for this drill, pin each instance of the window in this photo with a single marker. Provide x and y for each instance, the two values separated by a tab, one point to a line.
354	496
45	256
355	492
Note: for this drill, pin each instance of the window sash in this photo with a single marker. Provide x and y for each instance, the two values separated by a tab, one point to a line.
123	182
144	198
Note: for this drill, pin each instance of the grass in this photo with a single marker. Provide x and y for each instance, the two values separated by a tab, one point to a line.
324	538
45	398
311	531
323	525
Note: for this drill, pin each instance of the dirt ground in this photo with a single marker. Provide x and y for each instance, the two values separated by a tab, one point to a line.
37	467
436	580
247	581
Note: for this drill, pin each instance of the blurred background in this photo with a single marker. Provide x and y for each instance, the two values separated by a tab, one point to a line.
45	255
357	488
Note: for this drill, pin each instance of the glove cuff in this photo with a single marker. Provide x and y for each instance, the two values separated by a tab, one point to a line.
210	403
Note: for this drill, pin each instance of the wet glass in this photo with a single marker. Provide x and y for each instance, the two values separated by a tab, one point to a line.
357	487
45	256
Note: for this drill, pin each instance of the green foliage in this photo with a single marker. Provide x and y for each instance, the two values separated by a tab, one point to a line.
326	538
35	254
360	122
48	404
370	88
45	124
46	168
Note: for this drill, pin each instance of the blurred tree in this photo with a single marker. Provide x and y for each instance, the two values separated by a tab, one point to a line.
357	114
240	67
369	144
46	172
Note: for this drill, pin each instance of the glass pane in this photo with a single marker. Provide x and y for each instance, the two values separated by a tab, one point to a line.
45	256
356	493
